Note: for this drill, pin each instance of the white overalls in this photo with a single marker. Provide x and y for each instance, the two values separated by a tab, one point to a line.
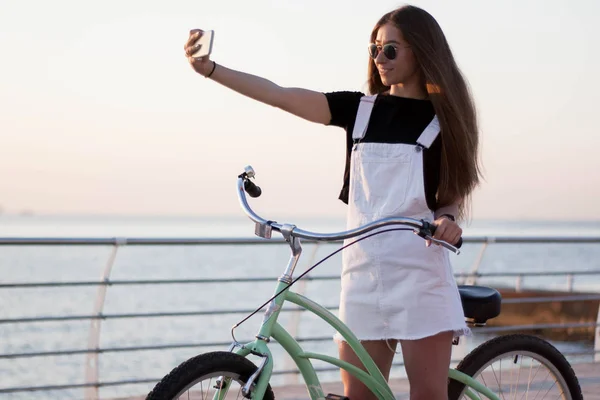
393	286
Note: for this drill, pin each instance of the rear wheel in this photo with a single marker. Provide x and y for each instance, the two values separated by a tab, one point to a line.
203	376
518	366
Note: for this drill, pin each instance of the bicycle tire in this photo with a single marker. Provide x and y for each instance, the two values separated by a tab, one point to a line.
192	370
496	347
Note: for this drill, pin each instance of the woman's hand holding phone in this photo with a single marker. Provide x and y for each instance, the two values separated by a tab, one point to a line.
197	50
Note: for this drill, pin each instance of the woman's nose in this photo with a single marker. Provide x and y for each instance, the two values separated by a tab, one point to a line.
381	58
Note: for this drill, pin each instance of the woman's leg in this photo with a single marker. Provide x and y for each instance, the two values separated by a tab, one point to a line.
383	356
427	362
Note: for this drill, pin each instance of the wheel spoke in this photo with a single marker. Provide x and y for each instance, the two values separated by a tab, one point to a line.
540	384
501	378
499	387
483	379
208	391
548	391
518	359
511	382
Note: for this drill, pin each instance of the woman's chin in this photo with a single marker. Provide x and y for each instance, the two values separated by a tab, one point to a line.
387	81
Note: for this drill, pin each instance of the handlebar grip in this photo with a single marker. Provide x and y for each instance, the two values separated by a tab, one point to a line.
458	245
252	189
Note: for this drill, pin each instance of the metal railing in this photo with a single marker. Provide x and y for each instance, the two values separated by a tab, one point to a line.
92	380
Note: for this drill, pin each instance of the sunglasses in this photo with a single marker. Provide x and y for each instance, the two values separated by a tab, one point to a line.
389	50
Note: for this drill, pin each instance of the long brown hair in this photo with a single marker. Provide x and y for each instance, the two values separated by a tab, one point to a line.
451	99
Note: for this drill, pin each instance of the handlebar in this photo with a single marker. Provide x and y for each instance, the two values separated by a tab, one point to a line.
264	227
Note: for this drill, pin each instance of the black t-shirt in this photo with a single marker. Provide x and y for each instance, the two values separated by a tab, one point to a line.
394	119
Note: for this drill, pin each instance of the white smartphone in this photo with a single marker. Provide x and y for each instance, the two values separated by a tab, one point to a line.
206	43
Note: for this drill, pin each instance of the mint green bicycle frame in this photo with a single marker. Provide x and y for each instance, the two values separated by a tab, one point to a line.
372	378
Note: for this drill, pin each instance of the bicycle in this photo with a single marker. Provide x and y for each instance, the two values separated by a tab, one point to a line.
479	304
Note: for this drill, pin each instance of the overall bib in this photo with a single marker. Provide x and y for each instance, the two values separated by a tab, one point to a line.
393	286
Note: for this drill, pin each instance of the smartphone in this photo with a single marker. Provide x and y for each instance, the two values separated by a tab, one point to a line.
206	43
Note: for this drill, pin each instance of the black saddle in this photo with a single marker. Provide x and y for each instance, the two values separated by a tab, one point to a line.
480	303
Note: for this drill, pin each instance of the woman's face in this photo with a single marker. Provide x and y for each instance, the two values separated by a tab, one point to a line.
403	68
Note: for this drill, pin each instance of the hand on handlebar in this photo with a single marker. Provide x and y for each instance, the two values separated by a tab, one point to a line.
446	230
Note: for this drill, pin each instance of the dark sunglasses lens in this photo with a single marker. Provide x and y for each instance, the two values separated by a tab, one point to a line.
389	51
373	50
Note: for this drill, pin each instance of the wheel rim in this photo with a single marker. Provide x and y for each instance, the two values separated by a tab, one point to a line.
529	376
201	390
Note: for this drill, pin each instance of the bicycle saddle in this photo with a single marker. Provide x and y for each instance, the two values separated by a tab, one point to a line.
480	303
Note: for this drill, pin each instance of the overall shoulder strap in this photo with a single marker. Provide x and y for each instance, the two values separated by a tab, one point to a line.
362	116
430	133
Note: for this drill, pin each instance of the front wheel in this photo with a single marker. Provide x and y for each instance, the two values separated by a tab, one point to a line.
518	366
204	375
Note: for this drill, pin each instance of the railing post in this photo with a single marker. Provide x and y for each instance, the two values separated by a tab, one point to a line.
471	279
597	338
570	279
519	283
92	364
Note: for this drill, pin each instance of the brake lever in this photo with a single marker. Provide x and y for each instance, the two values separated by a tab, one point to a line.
447	245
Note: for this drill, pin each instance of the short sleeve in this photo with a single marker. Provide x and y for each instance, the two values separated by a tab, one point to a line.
343	107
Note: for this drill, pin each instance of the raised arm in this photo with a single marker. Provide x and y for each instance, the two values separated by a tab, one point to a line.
304	103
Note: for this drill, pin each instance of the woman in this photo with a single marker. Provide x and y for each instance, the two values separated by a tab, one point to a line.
411	151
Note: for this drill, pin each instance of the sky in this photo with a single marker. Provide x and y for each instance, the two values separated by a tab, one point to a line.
100	113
